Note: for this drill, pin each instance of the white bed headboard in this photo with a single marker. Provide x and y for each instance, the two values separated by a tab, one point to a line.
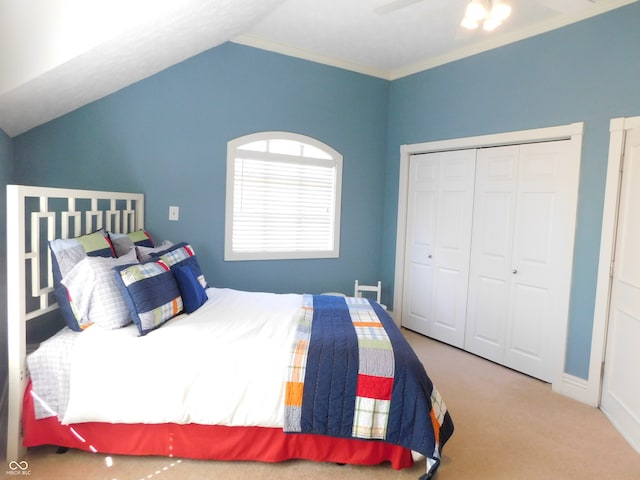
36	215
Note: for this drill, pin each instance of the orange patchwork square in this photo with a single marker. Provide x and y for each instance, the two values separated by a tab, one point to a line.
293	394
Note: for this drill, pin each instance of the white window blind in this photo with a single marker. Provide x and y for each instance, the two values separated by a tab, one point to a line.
284	200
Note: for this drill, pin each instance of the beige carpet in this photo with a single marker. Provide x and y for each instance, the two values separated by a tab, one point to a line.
508	426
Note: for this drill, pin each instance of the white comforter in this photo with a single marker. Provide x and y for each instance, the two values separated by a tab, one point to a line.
224	364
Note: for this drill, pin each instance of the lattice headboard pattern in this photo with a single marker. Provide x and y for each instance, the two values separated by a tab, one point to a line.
50	213
36	215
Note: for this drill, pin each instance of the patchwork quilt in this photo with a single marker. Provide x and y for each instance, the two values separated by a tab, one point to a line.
353	375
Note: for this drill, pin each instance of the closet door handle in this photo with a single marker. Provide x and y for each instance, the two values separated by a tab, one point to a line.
514	271
430	256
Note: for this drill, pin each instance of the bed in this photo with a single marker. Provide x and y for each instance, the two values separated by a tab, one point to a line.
156	361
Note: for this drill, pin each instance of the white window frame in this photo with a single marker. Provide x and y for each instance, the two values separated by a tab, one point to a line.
233	147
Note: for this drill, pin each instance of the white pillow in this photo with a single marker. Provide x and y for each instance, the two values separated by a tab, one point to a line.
95	294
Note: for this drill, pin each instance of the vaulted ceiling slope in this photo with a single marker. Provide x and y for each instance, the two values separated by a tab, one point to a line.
59	55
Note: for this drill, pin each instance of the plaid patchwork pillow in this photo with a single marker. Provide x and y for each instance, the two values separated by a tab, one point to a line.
182	254
152	294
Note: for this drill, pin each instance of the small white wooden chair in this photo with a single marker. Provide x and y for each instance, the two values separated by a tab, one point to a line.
368	288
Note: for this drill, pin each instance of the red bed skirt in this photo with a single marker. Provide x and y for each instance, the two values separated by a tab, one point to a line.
211	442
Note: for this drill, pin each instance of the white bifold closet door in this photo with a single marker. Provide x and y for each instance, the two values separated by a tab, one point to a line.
521	256
437	246
621	388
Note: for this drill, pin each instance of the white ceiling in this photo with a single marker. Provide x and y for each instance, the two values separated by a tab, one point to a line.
58	55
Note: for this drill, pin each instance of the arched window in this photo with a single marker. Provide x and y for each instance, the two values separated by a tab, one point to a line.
283	198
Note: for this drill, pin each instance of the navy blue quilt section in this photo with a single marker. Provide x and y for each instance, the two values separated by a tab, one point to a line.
330	385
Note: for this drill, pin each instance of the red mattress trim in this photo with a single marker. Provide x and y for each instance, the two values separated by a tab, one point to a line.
212	442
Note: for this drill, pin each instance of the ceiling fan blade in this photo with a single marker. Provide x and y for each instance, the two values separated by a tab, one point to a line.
567	6
393	6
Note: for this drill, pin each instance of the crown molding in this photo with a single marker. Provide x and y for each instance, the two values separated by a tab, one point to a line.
505	39
495	41
291	51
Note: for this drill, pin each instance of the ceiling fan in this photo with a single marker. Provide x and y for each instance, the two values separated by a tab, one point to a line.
564	6
490	13
393	6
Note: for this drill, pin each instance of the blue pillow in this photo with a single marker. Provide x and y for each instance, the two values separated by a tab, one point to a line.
192	292
152	294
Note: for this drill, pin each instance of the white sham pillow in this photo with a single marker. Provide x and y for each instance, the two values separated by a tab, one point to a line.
95	294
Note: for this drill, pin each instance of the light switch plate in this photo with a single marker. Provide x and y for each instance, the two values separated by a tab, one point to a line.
174	213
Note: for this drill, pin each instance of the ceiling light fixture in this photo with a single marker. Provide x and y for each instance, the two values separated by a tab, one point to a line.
491	13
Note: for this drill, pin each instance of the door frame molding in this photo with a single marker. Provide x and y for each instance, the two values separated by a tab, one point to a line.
574	131
618	128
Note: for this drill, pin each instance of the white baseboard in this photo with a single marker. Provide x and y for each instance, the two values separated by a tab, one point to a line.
626	431
577	389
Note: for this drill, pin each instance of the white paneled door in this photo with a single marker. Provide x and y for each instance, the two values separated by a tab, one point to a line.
621	388
521	256
491	252
420	242
542	259
438	240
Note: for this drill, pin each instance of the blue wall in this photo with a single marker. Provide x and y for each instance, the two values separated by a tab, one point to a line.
587	71
167	136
